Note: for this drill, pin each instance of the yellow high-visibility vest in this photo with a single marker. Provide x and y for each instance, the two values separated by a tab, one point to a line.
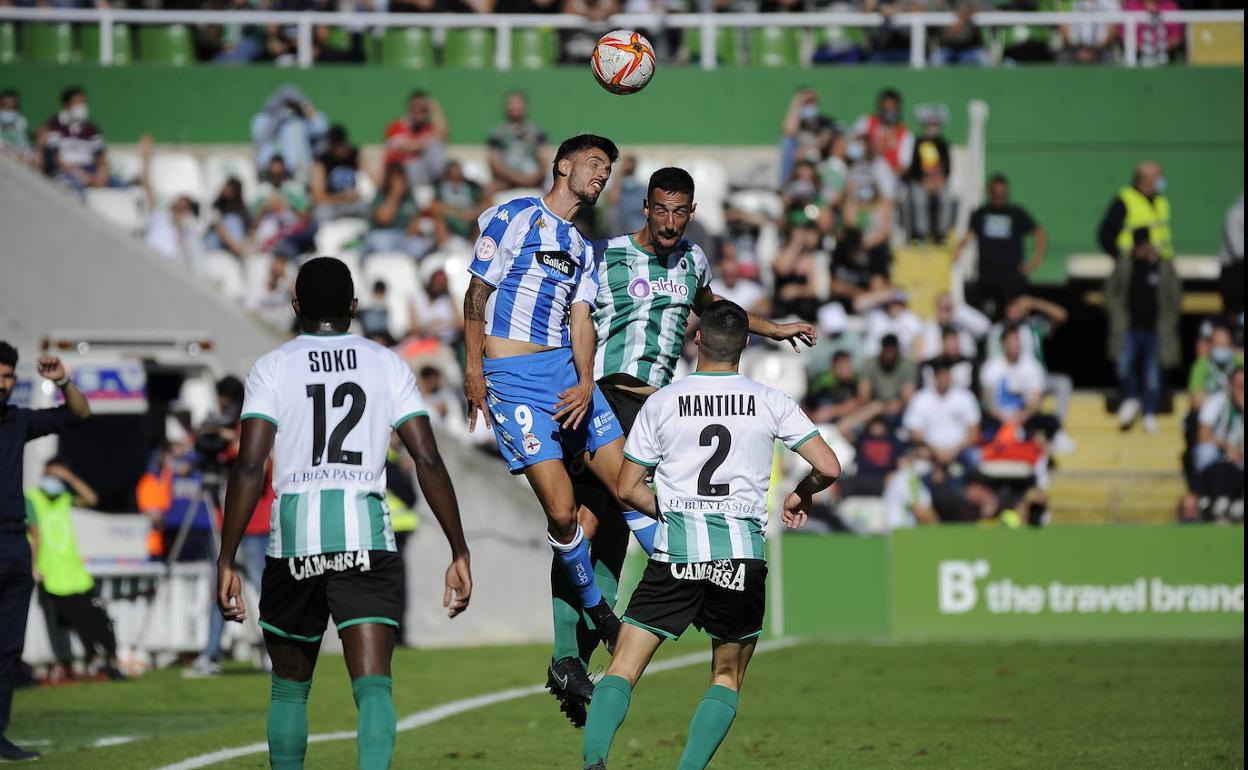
1141	212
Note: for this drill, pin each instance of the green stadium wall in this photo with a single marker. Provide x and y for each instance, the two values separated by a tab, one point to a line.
1067	137
959	582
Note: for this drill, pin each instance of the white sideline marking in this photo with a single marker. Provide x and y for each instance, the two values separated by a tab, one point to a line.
438	713
112	740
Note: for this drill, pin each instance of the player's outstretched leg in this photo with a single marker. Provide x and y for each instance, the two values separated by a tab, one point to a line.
367	648
614	692
293	663
719	705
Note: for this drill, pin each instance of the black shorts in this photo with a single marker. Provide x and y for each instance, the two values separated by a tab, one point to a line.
724	598
299	595
588	489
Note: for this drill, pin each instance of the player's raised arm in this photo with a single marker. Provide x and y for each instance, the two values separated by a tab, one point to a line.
824	472
435	482
242	494
791	333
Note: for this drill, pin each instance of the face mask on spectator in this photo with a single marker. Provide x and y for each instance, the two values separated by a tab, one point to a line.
1161	185
855	151
890	117
78	112
52	486
8	116
1222	354
810	112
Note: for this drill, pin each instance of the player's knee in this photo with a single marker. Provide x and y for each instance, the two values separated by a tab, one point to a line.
562	525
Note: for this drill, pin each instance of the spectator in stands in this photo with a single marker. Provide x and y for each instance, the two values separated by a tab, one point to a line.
457	203
888	379
999	228
435	314
284	225
1232	278
907	500
730	284
943	419
1011	387
229	43
863	257
577	45
374	312
968	324
834	171
417	140
961	42
805	134
230	227
1089	42
1211	372
67	592
1007	504
1157	42
335	175
887	315
961	367
890	42
794	282
188	501
271	300
931	204
288	127
1142	205
72	147
14	131
1142	299
1219	455
172	231
440	399
877	454
835	397
396	218
886	132
1037	319
519	156
625	193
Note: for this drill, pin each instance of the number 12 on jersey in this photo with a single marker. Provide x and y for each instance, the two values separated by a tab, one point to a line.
337	454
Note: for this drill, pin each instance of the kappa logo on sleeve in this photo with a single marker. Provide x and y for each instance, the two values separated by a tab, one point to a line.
503	216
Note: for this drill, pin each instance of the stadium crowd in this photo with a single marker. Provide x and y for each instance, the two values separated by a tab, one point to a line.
942	407
1158	42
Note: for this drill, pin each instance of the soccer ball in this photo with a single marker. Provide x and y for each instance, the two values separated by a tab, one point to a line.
623	61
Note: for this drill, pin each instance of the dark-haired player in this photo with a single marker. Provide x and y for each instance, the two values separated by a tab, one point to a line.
530	358
326	403
650	281
708	441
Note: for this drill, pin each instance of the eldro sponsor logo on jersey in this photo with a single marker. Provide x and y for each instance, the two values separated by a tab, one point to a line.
640	288
487	248
721	573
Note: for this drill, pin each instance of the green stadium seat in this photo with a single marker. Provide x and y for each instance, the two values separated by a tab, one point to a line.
725	46
8	43
533	48
841	38
775	47
122	51
49	43
169	45
407	47
469	48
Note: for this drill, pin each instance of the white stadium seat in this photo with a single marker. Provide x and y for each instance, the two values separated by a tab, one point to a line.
126	165
398	271
220	166
175	173
225	273
711	188
766	202
477	171
781	370
333	236
125	207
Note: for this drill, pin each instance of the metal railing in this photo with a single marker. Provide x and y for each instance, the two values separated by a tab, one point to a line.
708	24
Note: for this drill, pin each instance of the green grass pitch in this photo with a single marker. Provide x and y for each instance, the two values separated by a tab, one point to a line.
818	704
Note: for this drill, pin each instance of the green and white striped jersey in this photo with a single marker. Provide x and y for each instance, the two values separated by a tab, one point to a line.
335	400
709	438
643	307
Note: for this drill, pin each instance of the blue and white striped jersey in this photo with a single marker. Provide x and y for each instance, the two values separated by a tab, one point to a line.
539	265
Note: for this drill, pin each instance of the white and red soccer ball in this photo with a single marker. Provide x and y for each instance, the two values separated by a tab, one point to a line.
623	61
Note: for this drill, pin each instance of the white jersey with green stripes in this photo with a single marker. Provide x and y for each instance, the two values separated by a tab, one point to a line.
335	400
643	307
710	438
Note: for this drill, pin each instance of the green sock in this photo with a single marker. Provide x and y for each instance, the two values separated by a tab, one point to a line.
288	723
709	726
606	713
376	728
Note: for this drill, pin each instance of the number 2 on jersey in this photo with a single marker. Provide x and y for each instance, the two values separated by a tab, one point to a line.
723	442
352	418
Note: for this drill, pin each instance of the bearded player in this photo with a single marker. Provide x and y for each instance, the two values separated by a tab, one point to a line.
650	282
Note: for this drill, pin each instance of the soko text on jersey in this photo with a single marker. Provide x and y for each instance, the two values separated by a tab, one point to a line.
331	360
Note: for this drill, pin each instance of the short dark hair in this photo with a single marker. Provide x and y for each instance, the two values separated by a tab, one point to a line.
945	331
324	290
583	142
998	179
379	287
672	180
890	341
941	364
417	94
429	371
888	93
8	354
840	355
7	92
1009	329
69	92
725	331
337	134
231	387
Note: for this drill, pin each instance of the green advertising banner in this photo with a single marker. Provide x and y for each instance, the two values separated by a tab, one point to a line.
1067	582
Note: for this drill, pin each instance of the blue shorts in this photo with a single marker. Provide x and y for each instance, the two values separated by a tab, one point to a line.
522	392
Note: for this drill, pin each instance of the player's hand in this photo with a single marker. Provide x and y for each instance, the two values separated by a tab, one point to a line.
51	368
796	508
230	593
474	392
795	332
458	587
574	404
